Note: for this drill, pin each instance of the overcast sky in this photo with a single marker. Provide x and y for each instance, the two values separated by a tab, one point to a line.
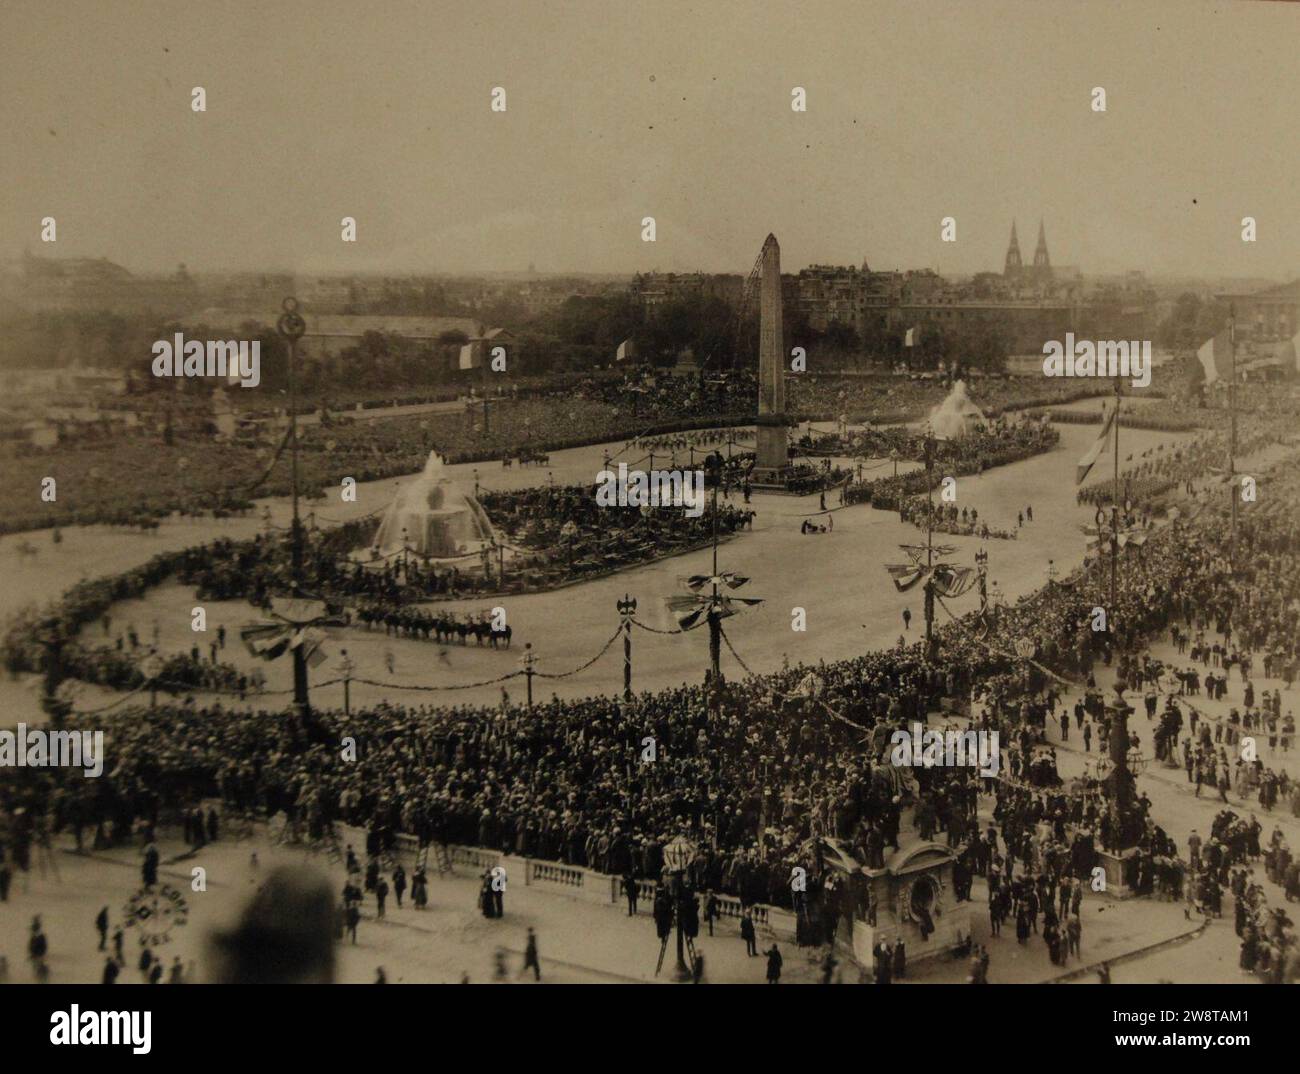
615	111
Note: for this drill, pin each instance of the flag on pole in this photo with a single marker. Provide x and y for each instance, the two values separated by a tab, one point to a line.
952	582
1099	445
692	611
905	575
1215	356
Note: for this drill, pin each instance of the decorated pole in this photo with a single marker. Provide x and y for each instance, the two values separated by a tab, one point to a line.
930	647
292	327
627	609
530	660
1232	437
1114	513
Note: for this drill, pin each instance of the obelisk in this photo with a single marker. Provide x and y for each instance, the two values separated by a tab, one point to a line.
773	458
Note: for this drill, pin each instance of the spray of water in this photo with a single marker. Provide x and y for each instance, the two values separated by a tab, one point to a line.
956	415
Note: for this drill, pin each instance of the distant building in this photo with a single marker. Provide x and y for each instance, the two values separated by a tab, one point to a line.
92	284
1270	314
1028	304
329	333
1039	274
653	289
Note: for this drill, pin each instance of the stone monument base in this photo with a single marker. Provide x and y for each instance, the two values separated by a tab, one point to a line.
915	886
1116	864
772	455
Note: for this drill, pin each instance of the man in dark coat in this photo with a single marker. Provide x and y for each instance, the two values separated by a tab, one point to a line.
149	870
747	933
774	961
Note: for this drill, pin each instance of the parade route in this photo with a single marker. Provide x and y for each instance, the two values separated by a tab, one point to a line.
838	578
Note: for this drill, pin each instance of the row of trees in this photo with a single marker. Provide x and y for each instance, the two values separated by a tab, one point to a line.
582	333
587	330
1191	322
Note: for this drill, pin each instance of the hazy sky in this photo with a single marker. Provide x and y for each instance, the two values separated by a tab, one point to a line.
615	111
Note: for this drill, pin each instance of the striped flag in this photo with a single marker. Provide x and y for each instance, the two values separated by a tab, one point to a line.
1099	445
690	612
1215	355
952	582
905	575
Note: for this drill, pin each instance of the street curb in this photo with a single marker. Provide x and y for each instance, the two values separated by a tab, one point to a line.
1128	956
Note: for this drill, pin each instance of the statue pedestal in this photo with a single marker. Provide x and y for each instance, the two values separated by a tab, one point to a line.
915	885
772	453
1117	869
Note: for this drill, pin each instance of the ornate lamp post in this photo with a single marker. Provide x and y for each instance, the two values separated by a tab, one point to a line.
627	609
151	667
529	662
678	855
53	639
346	667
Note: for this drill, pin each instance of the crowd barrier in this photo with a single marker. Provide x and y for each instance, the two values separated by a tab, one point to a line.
575	880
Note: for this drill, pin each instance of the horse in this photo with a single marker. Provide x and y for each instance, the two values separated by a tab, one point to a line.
495	635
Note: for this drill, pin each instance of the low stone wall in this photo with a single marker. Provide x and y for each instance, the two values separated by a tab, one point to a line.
579	882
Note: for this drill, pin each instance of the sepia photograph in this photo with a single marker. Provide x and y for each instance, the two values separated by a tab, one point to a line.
719	493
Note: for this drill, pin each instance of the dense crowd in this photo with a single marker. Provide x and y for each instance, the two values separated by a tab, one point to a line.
760	772
982	448
158	471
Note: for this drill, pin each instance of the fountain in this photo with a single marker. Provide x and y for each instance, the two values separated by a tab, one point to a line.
434	517
956	415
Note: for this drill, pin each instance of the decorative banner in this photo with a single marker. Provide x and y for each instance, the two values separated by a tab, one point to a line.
294	624
691	611
1091	456
905	575
953	581
730	579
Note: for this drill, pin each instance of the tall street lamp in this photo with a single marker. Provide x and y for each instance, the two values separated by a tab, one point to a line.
678	855
627	609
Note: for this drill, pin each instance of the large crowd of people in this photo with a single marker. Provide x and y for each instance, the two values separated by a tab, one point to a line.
980	449
162	466
764	771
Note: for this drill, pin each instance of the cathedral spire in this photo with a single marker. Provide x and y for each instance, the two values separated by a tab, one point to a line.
1042	263
1013	264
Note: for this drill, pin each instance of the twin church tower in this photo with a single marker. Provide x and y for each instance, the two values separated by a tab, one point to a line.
1040	273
